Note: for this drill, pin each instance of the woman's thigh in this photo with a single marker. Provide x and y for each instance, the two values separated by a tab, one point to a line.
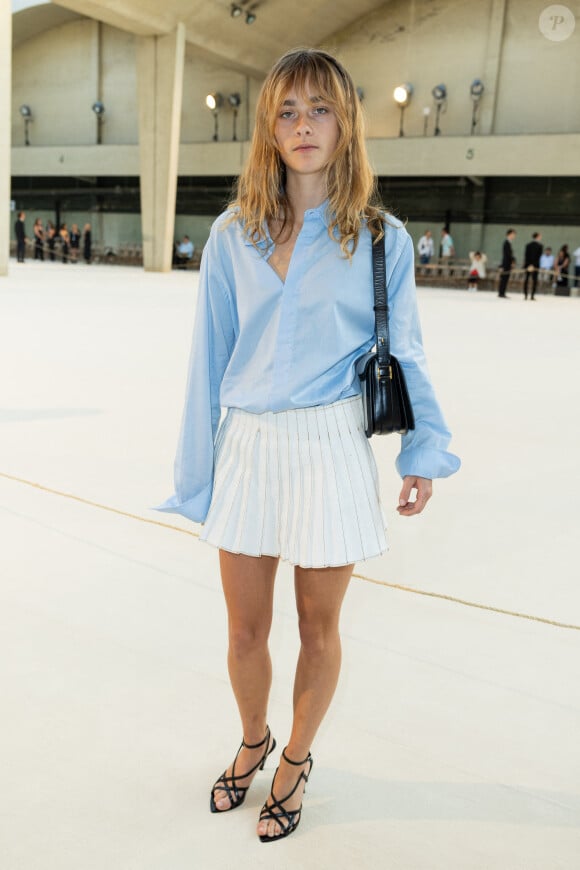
248	584
319	596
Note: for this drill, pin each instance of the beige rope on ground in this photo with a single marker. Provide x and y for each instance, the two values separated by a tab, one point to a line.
385	583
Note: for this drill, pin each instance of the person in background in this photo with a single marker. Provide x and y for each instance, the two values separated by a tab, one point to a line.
576	255
64	242
51	240
532	255
546	265
447	249
38	231
20	232
426	248
184	253
75	242
507	263
477	269
562	266
87	243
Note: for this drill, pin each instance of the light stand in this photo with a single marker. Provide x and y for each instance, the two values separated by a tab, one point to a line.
476	91
402	96
235	100
214	102
439	93
26	113
99	110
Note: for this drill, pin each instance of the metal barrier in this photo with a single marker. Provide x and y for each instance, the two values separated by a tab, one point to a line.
123	254
455	273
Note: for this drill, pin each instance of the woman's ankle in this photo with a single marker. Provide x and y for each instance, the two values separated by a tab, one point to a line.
255	735
295	754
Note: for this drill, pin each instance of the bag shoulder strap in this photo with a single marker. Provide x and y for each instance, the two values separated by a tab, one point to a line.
381	306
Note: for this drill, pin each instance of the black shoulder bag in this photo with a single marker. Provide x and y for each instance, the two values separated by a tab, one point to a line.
386	403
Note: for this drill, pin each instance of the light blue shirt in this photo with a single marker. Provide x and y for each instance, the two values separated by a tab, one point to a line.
262	344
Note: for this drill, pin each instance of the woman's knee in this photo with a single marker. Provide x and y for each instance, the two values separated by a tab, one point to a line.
247	639
317	637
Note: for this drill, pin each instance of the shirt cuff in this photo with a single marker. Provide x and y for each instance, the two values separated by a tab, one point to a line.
194	509
427	462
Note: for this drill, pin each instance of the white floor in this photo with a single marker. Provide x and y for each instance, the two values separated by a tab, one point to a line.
452	743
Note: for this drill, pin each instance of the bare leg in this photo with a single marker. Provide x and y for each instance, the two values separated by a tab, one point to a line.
319	596
248	585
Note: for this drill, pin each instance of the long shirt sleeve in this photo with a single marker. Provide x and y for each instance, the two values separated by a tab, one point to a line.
212	344
424	448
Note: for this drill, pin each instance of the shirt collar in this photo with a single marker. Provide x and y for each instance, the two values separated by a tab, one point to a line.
321	213
311	215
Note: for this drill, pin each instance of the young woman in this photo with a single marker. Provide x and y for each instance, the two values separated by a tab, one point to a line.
562	266
64	242
51	240
38	231
285	309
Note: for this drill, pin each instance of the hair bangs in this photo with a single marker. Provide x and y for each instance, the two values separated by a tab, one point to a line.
314	76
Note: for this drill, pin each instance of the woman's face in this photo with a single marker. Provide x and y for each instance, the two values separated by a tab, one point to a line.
306	132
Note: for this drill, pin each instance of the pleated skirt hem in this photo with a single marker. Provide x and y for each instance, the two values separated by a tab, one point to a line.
300	484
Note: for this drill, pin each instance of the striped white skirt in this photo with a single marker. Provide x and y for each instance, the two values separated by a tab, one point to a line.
300	484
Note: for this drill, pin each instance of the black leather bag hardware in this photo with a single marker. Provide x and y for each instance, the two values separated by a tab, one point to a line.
386	403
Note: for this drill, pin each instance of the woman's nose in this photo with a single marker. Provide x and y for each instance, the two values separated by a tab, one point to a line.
303	124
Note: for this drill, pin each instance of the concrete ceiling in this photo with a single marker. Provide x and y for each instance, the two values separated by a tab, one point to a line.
279	24
30	22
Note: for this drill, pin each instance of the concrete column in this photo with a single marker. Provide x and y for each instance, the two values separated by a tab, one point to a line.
492	66
160	83
477	213
5	114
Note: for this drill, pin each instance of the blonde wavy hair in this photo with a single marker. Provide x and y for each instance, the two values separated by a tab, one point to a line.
260	194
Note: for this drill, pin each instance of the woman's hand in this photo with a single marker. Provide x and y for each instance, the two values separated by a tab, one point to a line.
424	488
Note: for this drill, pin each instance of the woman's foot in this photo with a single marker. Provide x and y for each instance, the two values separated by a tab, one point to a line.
230	789
281	813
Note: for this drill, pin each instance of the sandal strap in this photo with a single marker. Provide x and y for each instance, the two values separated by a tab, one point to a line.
233	792
257	745
295	763
275	810
274	804
229	784
235	776
287	797
283	815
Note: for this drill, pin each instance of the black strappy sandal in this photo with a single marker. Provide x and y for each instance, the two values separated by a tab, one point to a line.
236	794
275	811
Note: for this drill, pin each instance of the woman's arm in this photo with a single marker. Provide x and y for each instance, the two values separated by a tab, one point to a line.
424	451
213	341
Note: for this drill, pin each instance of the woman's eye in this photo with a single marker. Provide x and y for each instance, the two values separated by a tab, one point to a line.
320	110
286	114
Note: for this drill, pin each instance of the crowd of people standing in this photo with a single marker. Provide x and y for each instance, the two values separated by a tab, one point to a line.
539	263
53	242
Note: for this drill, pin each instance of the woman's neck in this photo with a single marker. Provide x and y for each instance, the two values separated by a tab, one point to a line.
304	192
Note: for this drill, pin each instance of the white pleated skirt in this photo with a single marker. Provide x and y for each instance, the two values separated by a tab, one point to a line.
300	484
